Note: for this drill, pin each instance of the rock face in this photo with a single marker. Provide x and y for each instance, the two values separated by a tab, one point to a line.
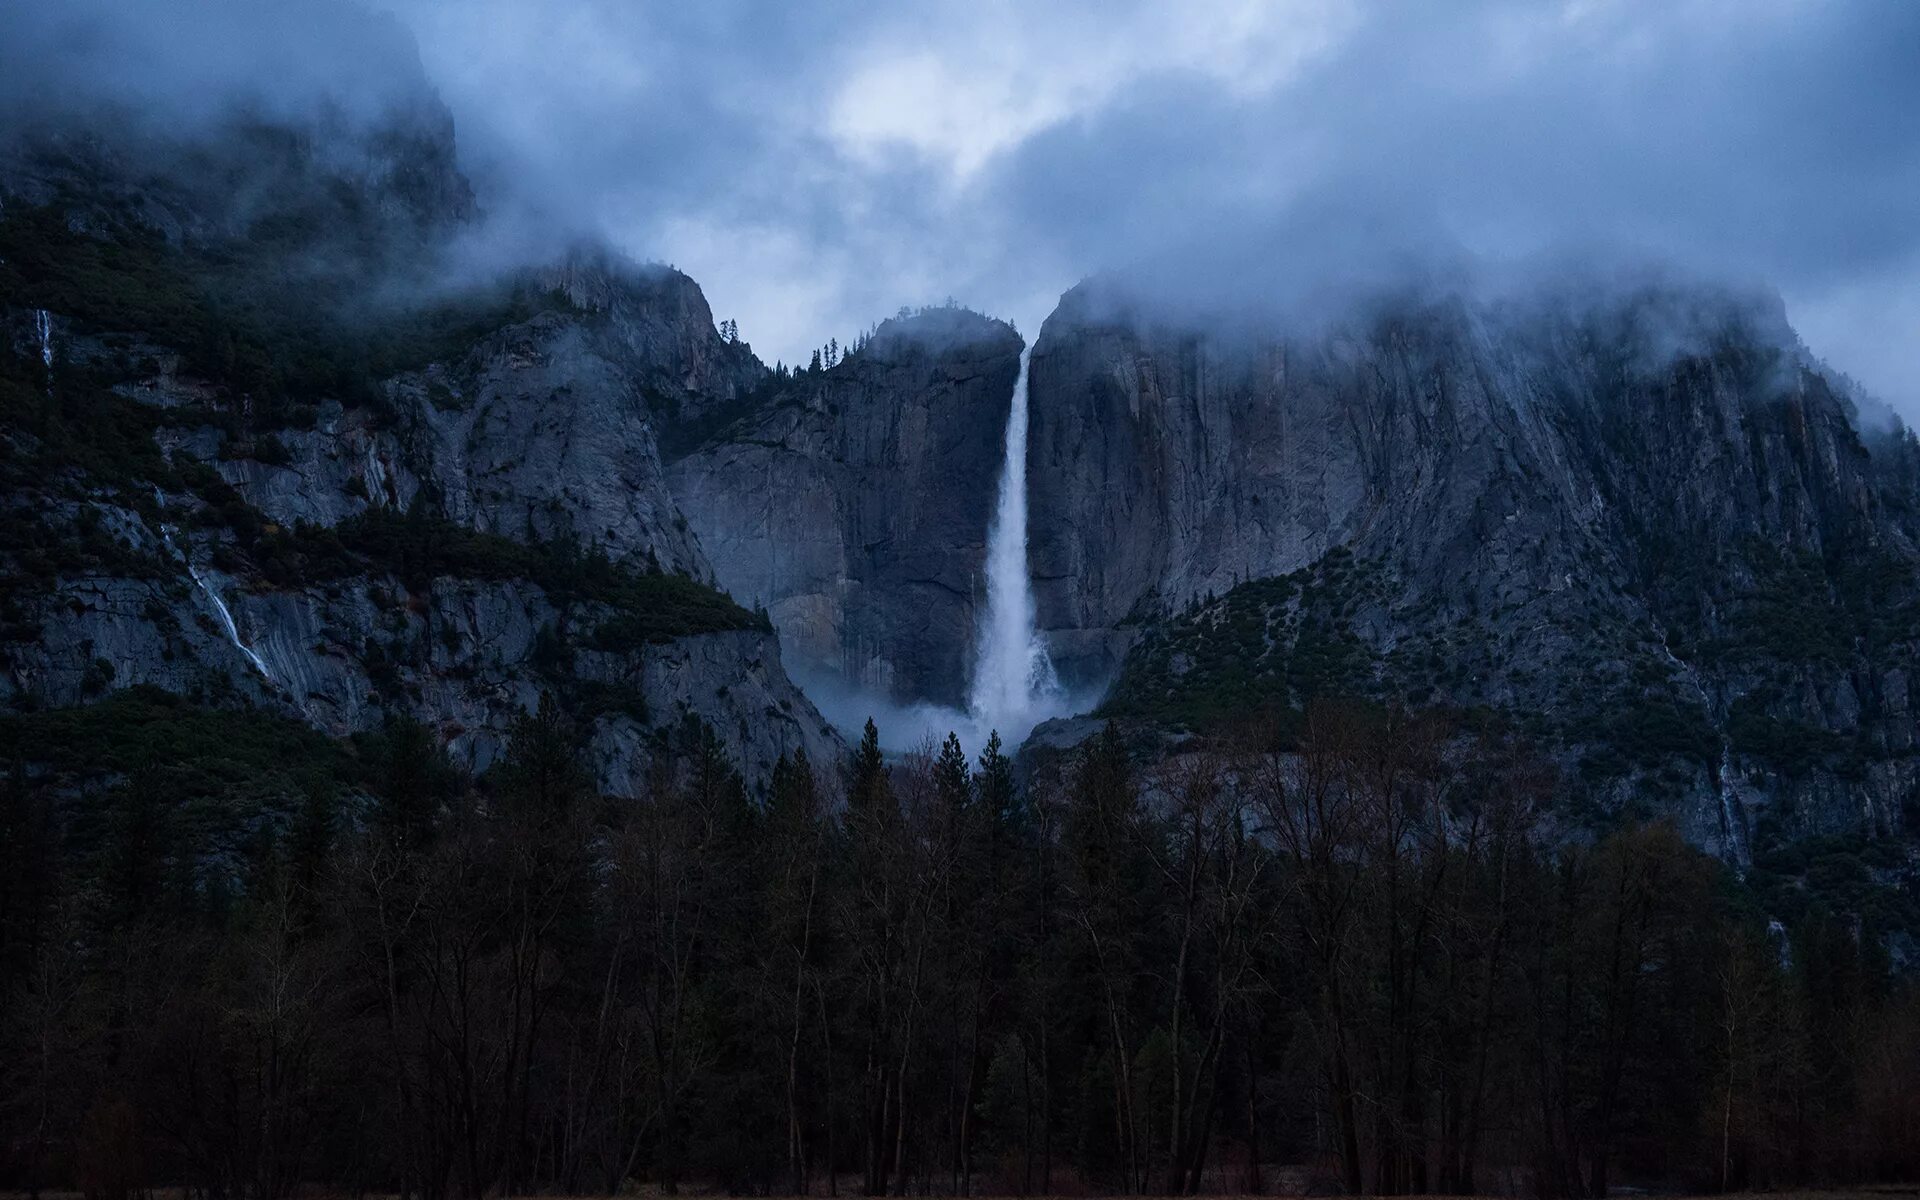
1645	501
655	322
464	656
545	428
853	503
541	429
307	494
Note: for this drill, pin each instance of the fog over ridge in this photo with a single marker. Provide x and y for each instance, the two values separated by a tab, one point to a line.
815	171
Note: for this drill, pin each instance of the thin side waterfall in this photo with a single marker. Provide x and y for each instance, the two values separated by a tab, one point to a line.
43	325
1730	818
226	621
1014	685
219	605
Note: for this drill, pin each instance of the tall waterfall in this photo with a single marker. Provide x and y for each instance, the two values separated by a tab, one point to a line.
1014	686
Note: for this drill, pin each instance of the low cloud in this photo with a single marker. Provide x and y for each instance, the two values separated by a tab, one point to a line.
176	64
816	167
815	173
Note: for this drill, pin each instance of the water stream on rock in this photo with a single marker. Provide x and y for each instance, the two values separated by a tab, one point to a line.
43	325
1014	685
1735	849
1731	823
226	620
219	605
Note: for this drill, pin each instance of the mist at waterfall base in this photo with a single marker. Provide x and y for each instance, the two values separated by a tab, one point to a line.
907	728
1014	687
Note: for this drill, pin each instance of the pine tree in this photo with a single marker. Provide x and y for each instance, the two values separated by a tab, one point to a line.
310	843
28	869
793	861
414	780
952	777
793	801
1107	882
998	796
137	849
869	791
541	778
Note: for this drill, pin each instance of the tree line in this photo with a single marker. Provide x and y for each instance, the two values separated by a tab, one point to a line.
1355	955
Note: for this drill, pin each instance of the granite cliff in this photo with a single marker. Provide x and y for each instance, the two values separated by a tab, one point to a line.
267	443
853	502
1636	522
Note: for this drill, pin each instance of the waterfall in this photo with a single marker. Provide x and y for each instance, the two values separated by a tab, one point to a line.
1732	824
1014	686
226	621
213	594
1730	817
43	325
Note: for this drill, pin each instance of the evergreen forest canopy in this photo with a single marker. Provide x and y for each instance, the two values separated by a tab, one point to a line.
245	959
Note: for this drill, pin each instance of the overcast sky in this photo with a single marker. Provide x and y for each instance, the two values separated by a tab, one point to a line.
816	166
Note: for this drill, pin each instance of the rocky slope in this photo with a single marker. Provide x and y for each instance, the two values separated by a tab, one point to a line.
1638	523
853	502
258	448
261	445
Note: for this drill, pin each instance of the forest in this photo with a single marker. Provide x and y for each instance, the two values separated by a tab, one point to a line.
244	960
